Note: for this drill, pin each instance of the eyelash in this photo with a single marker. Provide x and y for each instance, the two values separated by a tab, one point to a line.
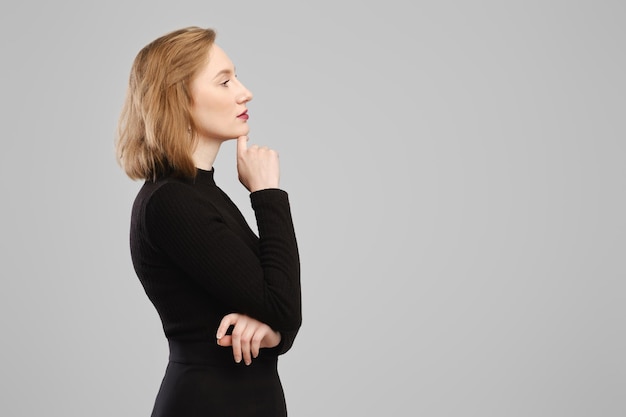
226	82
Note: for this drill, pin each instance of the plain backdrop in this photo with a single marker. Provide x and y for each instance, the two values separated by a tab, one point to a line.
456	175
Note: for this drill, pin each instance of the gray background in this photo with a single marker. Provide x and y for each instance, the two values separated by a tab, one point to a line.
456	173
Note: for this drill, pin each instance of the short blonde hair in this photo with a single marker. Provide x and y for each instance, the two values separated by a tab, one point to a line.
156	133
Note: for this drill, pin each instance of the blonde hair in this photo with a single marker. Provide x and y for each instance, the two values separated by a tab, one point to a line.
156	133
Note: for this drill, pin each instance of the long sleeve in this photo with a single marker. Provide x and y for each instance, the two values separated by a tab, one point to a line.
200	239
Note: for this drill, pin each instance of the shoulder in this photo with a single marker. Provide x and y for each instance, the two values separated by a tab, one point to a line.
167	197
155	192
172	207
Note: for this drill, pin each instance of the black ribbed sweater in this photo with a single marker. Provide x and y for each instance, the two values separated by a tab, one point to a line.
198	259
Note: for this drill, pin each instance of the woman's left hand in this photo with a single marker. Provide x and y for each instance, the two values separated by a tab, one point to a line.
248	337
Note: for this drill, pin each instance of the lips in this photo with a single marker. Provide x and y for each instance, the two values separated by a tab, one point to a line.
243	115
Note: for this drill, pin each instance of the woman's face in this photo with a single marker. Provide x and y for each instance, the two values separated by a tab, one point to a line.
219	100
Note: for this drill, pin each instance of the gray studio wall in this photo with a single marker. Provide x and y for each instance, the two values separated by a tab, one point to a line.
456	173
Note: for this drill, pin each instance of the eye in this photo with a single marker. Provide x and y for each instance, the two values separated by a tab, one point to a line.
225	83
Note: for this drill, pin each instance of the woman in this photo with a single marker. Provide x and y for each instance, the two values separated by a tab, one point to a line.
206	272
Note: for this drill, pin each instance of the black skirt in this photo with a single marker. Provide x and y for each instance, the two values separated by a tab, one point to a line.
199	384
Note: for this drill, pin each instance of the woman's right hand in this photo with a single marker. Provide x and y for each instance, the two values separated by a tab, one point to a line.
258	167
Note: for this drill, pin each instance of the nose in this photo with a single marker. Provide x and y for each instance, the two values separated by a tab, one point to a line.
245	96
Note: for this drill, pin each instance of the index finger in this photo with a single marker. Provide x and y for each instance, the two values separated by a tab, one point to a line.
224	324
242	144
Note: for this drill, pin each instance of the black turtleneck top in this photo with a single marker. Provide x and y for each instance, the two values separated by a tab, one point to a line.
198	259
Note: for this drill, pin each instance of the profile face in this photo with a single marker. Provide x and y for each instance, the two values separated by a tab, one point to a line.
219	99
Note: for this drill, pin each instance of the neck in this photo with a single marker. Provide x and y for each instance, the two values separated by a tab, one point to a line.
205	153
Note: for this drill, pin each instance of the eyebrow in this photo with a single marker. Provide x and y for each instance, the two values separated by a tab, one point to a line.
224	71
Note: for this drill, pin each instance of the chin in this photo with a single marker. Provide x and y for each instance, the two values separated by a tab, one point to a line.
243	132
228	134
234	135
